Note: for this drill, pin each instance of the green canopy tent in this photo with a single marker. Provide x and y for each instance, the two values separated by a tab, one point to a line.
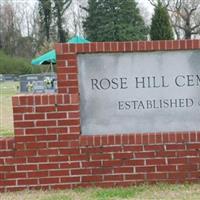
78	40
50	57
47	58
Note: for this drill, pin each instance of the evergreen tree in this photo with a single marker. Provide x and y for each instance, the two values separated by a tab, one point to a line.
161	28
114	20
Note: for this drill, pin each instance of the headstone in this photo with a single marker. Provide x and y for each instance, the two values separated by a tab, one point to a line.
1	78
36	83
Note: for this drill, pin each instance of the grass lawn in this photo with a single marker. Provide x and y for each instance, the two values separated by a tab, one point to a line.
143	192
7	90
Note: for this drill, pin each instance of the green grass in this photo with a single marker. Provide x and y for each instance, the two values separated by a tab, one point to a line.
143	192
7	90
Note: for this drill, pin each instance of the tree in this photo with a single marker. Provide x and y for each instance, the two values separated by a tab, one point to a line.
9	31
184	16
60	6
45	11
114	20
161	28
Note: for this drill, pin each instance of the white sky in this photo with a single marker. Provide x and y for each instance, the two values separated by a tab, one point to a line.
145	7
144	3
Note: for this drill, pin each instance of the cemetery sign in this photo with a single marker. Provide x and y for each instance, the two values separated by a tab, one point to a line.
139	92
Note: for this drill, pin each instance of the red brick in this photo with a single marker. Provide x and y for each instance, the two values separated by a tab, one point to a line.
27	181
163	45
113	178
138	139
135	177
156	45
176	44
47	152
145	169
91	164
157	161
80	171
154	148
148	45
72	151
121	46
68	137
125	139
68	108
183	44
156	176
38	145
59	173
112	149
91	178
134	162
102	171
107	46
59	48
15	175
177	176
70	179
72	115
196	44
46	138
121	170
79	157
123	156
188	167
74	130
44	109
48	180
194	146
9	183
25	153
73	77
35	131
145	154
128	46
70	122
15	160
45	123
23	124
166	154
48	166
34	116
71	165
37	159
169	44
58	159
114	46
101	157
142	45
175	147
27	167
177	160
57	130
166	168
112	163
38	174
135	46
18	117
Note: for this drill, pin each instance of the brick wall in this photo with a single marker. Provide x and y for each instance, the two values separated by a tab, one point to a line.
49	152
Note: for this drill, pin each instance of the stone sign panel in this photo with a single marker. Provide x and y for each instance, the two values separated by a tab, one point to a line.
139	92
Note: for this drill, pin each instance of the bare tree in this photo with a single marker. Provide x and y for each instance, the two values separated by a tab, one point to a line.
184	15
60	7
74	17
